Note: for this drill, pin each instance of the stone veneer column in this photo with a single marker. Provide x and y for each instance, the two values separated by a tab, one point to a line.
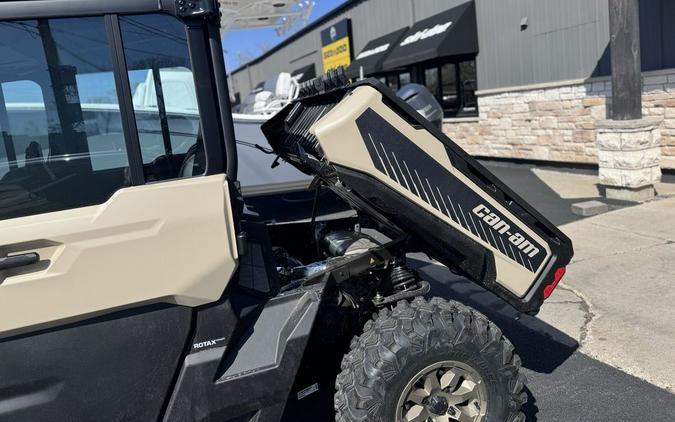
629	157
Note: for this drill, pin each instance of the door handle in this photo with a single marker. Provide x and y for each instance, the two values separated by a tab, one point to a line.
21	260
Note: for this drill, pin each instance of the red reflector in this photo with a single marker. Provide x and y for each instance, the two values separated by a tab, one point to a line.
559	273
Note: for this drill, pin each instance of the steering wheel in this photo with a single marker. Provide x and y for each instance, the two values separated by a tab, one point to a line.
194	162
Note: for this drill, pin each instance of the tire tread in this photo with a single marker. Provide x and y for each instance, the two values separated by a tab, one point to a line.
396	334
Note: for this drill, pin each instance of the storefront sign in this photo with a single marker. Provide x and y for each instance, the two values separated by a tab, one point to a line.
336	45
373	51
426	33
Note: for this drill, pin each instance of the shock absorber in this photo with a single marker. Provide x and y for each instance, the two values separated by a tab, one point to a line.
402	278
404	284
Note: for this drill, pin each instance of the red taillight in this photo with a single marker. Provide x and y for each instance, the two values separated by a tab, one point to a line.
559	273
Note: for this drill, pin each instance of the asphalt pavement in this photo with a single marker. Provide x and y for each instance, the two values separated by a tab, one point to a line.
564	383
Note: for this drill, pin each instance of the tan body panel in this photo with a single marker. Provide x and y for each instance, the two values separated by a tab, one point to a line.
170	242
342	144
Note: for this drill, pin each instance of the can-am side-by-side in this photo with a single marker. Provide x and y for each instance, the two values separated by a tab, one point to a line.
136	284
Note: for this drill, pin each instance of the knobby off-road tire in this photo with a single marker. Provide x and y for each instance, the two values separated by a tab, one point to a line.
399	343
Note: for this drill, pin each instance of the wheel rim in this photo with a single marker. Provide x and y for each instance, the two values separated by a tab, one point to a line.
444	392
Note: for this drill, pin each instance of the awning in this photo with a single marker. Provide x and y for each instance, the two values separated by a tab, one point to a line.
449	33
305	73
374	53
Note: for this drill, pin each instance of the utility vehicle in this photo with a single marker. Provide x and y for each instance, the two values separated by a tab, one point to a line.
136	285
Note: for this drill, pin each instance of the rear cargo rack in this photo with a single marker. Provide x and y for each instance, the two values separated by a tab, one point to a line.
383	158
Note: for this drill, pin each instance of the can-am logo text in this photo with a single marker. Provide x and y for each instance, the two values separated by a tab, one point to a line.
426	33
500	226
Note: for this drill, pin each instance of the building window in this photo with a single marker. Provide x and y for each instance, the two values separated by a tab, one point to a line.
431	80
467	79
449	88
404	78
395	80
453	83
392	81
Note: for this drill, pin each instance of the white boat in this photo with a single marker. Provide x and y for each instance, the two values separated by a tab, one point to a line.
255	173
256	177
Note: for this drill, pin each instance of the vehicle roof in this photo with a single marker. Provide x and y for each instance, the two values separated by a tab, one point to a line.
27	9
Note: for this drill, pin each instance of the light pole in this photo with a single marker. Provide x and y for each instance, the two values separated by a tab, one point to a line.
624	33
629	146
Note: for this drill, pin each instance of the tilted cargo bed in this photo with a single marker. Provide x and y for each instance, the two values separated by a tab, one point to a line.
382	157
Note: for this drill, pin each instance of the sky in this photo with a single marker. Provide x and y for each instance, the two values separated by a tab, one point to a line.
249	42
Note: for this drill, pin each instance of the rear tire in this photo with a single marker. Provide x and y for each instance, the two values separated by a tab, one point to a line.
397	346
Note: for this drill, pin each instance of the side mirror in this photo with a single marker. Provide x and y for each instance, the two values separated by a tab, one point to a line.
419	98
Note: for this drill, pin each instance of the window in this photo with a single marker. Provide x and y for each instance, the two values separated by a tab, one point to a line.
164	96
454	85
467	77
392	82
431	80
395	80
101	116
404	78
62	144
449	99
27	118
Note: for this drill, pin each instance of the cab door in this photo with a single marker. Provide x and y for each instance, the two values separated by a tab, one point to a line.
115	215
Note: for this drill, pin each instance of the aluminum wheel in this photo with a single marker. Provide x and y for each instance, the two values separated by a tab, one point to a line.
444	392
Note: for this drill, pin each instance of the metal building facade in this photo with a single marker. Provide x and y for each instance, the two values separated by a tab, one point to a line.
370	19
562	40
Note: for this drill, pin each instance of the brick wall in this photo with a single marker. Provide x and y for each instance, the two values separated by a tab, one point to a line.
557	123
